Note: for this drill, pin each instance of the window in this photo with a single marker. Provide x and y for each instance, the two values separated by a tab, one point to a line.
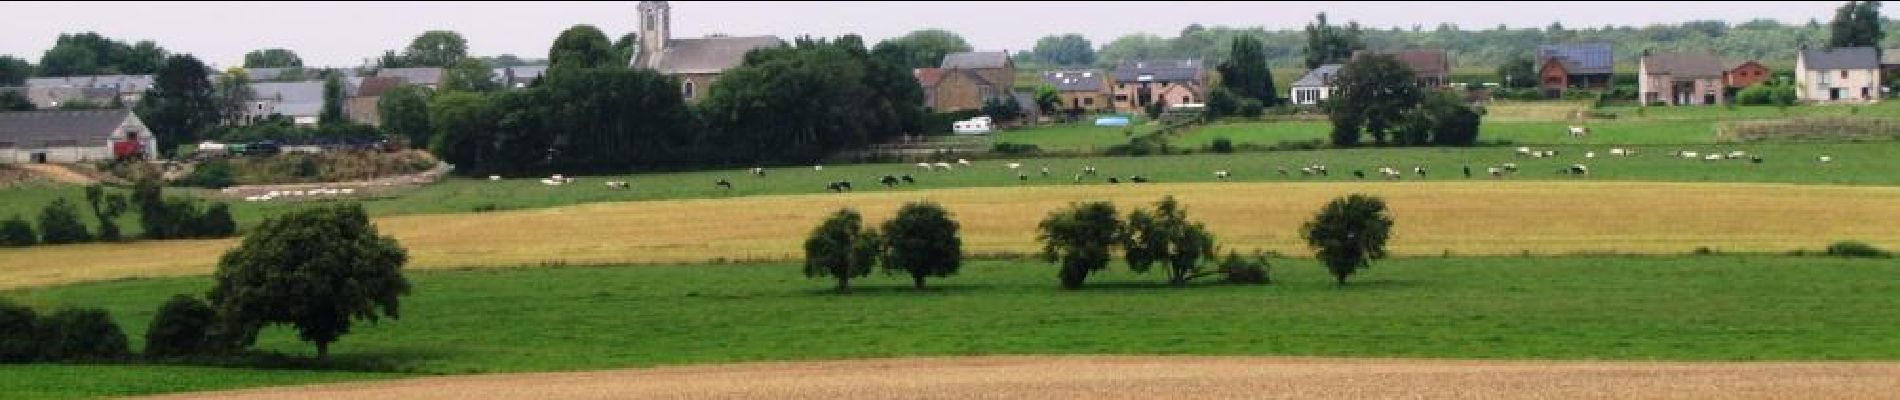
1843	74
1187	99
1121	97
687	91
1088	101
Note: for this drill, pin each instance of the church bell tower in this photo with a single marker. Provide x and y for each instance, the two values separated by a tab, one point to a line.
656	20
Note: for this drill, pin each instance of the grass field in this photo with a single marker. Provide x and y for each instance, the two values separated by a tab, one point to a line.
1433	218
580	318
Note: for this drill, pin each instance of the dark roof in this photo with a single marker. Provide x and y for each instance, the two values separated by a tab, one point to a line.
1075	81
975	59
1580	58
418	76
1684	65
710	55
1163	70
1422	62
1322	76
88	127
376	86
1841	58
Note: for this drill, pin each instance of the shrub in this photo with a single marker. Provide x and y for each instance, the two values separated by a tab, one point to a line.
59	223
216	222
19	333
1014	148
83	334
1240	270
1856	249
17	232
1221	145
1252	108
180	327
214	174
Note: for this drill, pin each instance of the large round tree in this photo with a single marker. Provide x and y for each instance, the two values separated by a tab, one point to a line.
316	269
1349	233
841	248
922	241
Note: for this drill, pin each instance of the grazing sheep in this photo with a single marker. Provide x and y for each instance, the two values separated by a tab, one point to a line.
1737	154
349	191
1523	151
1510	167
1419	170
1579	169
758	172
1022	176
817	167
1306	171
963	162
1616	152
624	185
1221	174
1589	154
1013	165
1690	155
1712	157
1496	172
1045	172
1088	170
723	184
494	177
1754	159
1826	159
943	166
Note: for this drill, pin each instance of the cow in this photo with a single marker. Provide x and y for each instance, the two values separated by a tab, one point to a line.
888	181
908	180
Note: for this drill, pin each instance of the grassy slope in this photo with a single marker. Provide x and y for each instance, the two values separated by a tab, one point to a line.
1636	308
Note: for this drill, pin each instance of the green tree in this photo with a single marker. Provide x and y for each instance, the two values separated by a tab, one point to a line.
1518	73
1140	46
107	208
1048	99
14	71
59	223
181	104
920	49
440	49
217	222
89	53
317	269
922	241
1348	234
841	248
272	58
582	46
1327	44
1002	109
1065	50
19	333
1856	24
1221	102
82	334
16	232
1246	73
180	328
1441	118
625	47
332	112
15	101
405	114
469	75
803	103
464	124
1374	93
231	93
1166	236
1079	237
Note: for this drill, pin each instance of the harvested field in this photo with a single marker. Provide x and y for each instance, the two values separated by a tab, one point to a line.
1436	218
1147	378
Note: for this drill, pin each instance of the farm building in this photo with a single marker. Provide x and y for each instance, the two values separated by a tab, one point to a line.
1432	67
1681	79
1315	86
129	88
1085	90
1139	83
1745	74
68	136
1838	74
1582	65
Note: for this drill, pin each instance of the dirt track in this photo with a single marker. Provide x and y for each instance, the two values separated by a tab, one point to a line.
1149	378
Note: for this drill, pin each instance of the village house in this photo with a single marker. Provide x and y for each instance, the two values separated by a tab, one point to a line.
697	62
1314	87
1080	90
428	77
1574	66
301	101
1138	83
1745	74
1681	79
1432	67
964	81
361	106
1843	74
129	88
70	136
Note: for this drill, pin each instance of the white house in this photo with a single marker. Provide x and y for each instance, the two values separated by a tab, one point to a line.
1315	86
69	136
1838	75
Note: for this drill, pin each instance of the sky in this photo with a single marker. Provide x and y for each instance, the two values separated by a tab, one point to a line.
347	33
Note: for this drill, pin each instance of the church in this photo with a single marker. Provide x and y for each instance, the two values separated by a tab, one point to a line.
696	62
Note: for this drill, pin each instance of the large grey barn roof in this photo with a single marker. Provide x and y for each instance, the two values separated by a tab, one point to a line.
416	76
1841	58
975	60
1580	58
126	83
710	55
1322	76
87	127
1162	70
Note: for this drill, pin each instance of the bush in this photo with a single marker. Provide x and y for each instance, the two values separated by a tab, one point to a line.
19	333
1856	249
216	222
214	174
59	223
1014	148
83	334
1221	145
17	232
180	327
1252	108
1239	270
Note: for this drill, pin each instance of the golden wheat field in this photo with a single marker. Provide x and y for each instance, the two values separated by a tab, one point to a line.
1433	218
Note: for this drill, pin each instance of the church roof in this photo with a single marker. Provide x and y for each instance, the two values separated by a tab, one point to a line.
710	55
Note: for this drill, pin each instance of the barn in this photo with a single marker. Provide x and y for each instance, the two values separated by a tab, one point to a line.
69	136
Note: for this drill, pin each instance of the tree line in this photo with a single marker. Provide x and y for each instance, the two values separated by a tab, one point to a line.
160	218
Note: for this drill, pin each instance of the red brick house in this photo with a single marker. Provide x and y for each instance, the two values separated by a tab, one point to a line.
1579	66
1746	74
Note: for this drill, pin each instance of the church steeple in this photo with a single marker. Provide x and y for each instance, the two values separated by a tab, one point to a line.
656	28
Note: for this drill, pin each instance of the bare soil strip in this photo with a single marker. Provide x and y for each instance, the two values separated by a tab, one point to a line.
1117	377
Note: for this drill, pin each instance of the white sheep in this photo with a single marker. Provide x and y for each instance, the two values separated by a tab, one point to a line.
1221	174
1826	159
1589	154
348	191
923	165
963	162
1014	165
817	167
944	166
494	177
1617	152
1690	155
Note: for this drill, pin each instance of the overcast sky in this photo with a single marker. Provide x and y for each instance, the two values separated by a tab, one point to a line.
345	33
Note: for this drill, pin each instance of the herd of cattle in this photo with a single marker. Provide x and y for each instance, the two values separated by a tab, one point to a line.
1090	172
